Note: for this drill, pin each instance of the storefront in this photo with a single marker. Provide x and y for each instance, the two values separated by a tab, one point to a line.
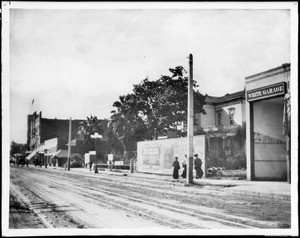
267	120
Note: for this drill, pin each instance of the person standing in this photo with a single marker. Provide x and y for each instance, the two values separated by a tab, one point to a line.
198	164
176	167
184	168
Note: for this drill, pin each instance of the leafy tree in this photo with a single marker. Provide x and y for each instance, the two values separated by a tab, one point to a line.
154	107
88	128
16	148
163	103
126	124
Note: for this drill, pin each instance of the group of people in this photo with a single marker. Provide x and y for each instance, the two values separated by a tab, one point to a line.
197	167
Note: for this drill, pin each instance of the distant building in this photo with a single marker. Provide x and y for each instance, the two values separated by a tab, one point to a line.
50	137
42	129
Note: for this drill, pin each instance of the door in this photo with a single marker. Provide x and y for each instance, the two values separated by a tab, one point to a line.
269	145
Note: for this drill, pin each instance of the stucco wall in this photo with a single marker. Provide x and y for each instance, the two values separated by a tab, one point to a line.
208	120
238	116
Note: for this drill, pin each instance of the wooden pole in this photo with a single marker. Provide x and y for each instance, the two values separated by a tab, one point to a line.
96	170
190	123
69	144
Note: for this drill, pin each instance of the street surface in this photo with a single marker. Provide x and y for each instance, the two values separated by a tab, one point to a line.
56	198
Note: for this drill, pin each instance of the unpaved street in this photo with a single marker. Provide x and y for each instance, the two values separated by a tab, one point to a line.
56	198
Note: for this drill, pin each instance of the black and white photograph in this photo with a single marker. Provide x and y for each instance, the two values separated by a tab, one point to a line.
149	118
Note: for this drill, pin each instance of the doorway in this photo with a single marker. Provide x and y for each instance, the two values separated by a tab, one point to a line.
269	143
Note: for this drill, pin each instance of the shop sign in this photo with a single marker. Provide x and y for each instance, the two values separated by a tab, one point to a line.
266	92
110	157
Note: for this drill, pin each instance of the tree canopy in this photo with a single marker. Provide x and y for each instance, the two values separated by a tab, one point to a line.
87	129
155	107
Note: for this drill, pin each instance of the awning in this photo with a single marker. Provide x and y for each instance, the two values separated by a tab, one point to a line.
31	155
64	154
55	154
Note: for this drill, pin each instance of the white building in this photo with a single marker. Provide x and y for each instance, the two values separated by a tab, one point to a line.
268	119
226	112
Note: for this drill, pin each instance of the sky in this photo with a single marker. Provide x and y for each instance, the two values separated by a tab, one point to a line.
77	62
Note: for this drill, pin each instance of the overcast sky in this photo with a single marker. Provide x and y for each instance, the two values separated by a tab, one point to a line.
77	62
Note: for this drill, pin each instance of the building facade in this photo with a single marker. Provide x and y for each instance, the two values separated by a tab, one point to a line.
224	127
48	137
268	124
42	129
226	112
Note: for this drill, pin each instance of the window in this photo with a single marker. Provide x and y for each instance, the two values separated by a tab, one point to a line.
231	112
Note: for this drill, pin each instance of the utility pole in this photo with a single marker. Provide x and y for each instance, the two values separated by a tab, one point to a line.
96	169
69	144
190	123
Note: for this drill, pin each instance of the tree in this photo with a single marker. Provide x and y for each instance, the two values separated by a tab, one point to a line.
88	128
155	107
126	124
163	103
16	148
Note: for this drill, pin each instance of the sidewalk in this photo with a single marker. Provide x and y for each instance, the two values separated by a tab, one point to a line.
275	190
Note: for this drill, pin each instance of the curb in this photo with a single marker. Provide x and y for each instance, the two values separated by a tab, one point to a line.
265	195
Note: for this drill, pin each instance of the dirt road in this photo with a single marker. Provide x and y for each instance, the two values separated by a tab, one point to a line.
68	199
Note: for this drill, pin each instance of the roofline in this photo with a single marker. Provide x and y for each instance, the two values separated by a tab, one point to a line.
285	66
238	96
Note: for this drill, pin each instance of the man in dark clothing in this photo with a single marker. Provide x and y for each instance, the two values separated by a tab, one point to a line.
198	164
184	168
176	168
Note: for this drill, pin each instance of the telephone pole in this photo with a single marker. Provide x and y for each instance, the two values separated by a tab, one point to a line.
190	123
69	144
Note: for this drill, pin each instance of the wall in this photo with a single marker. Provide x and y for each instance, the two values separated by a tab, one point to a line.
51	128
51	146
157	156
208	120
238	116
33	130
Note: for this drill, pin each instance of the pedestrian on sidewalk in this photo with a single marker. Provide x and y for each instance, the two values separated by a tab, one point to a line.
184	168
90	163
198	164
176	168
